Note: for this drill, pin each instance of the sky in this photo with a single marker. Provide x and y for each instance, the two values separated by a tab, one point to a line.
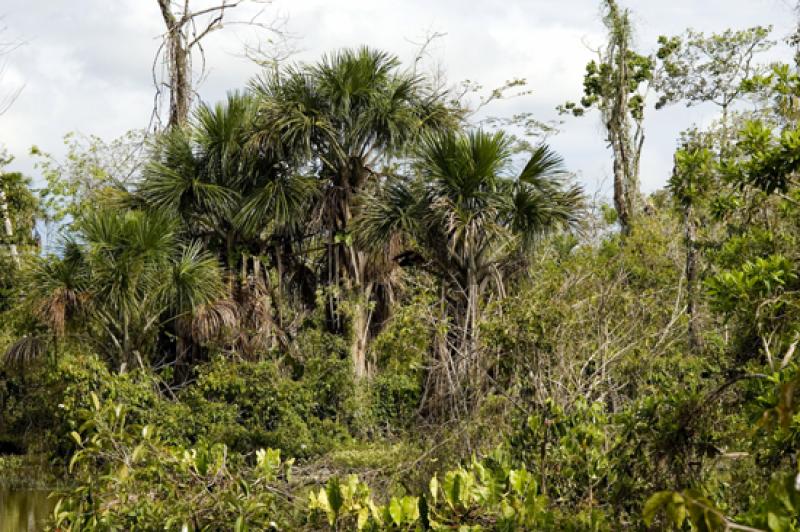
86	65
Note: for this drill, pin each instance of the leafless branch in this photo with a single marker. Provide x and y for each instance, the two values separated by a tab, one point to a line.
6	49
182	40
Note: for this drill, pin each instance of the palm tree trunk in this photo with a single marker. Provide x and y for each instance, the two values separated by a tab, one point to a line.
360	325
455	371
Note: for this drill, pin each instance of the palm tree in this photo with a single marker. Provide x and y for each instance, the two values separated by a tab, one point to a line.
241	200
56	293
59	289
473	223
122	283
350	117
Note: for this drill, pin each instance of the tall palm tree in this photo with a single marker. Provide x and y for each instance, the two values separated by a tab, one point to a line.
351	116
473	222
223	188
240	199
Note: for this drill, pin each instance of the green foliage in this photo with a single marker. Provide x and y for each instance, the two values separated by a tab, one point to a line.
755	289
619	69
128	280
699	68
23	211
38	401
92	170
693	175
776	91
767	160
473	222
396	398
256	404
129	478
688	505
485	495
332	266
568	452
599	85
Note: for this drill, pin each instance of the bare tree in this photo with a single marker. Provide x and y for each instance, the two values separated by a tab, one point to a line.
183	39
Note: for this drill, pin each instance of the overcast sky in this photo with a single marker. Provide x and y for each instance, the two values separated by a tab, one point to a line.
86	64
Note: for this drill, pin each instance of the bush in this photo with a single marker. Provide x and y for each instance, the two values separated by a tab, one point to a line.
129	478
248	405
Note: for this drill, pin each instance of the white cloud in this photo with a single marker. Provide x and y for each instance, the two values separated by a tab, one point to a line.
87	64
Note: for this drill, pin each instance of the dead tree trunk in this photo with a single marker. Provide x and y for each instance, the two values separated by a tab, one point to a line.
178	64
185	29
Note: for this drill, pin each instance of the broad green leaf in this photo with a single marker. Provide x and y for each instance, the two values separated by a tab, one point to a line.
654	504
363	516
95	401
434	488
396	511
410	509
334	493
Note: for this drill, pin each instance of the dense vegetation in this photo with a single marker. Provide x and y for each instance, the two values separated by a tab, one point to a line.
334	301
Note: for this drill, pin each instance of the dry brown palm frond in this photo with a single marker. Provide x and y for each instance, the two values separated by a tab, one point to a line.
214	321
381	264
257	328
24	351
56	309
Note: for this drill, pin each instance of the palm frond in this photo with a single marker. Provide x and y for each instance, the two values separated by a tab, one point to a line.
384	215
280	201
25	351
536	211
214	321
59	289
195	280
543	163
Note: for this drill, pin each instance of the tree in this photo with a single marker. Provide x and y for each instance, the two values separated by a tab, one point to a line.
697	68
474	222
8	224
185	30
21	210
93	170
241	201
615	84
691	182
350	118
5	103
120	284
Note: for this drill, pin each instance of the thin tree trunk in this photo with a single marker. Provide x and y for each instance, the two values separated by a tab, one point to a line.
691	280
625	143
8	226
619	131
360	323
620	193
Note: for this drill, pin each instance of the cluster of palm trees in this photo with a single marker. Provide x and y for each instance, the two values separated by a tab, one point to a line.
306	192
